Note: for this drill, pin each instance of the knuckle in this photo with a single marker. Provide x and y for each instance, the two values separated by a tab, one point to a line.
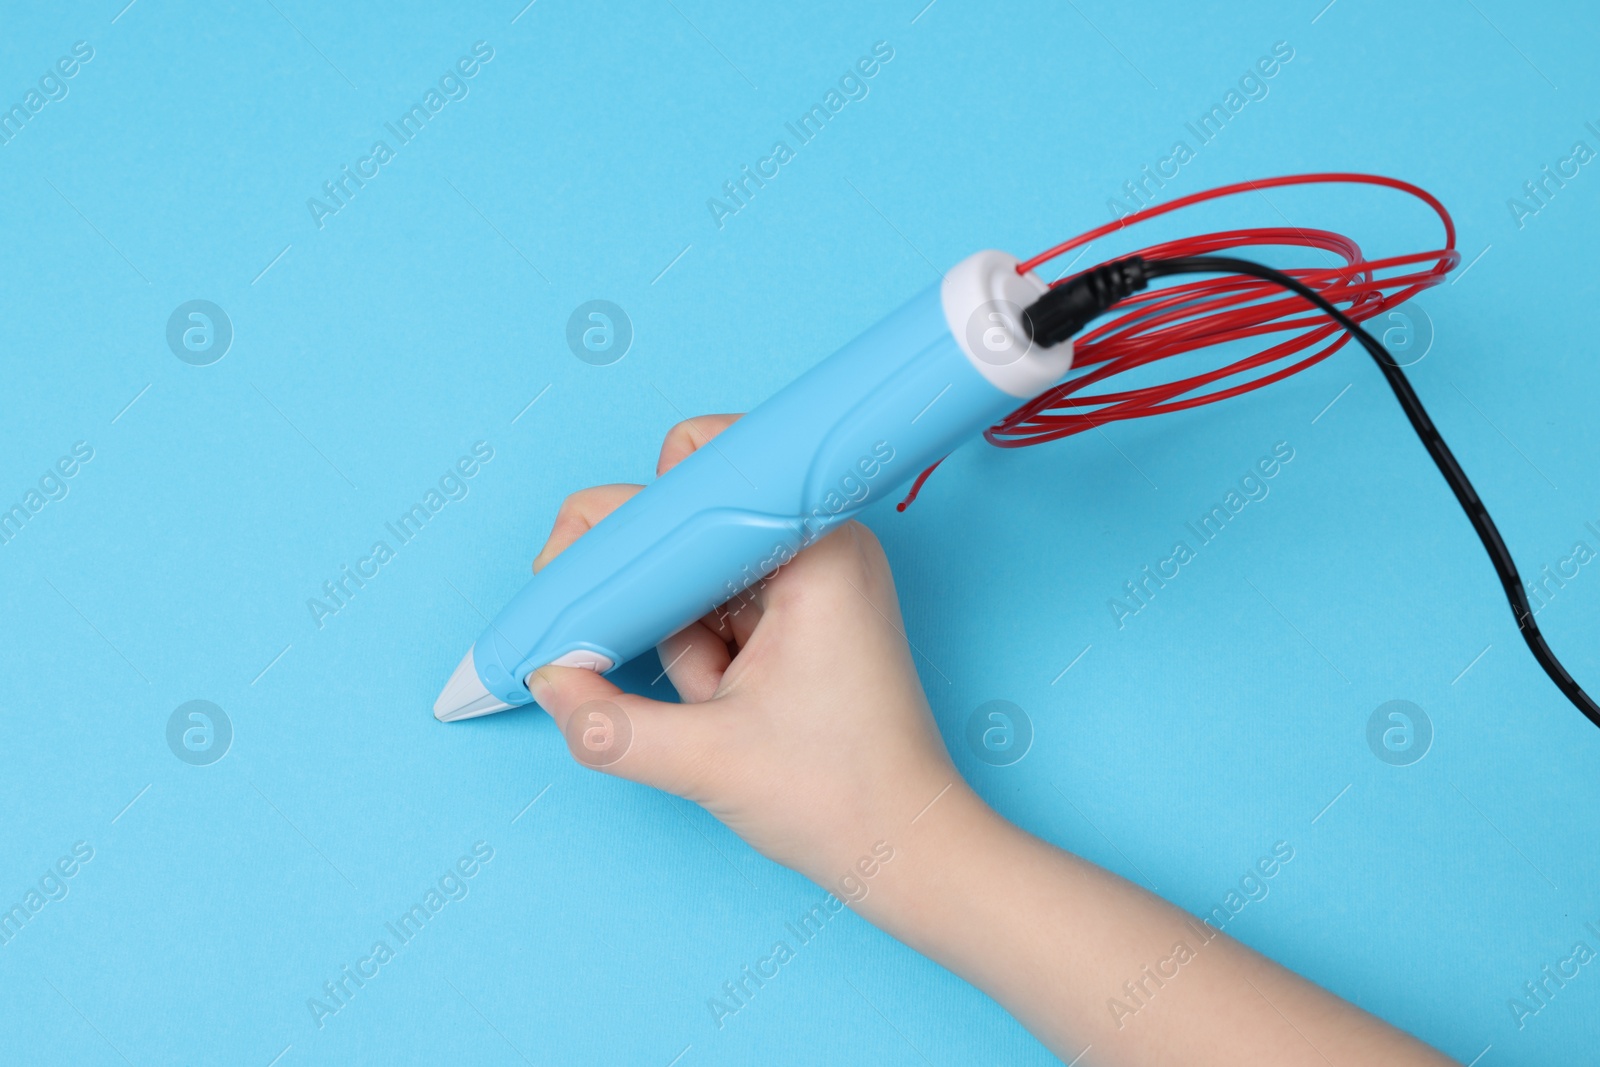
682	434
867	541
870	551
678	443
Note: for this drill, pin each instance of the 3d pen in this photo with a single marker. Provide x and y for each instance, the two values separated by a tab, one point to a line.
857	426
989	348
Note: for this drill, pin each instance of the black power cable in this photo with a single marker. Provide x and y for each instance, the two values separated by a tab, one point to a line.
1067	308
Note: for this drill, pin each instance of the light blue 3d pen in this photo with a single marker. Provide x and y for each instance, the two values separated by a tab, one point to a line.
851	430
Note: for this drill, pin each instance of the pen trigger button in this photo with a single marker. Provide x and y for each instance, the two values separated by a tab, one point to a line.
583	659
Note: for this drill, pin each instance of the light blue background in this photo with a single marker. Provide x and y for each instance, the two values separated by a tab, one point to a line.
375	351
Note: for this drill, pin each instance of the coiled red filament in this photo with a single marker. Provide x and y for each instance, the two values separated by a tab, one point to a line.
1174	320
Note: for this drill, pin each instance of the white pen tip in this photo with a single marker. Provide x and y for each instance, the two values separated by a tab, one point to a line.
464	696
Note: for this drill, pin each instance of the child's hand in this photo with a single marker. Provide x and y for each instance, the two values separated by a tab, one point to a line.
803	728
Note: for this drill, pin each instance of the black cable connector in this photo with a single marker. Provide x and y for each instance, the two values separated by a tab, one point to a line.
1072	305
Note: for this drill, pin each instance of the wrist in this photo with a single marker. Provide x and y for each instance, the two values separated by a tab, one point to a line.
936	854
988	901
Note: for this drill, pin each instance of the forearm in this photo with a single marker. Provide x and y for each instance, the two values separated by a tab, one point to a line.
1061	943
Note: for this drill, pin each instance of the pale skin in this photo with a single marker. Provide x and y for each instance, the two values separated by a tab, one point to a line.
805	730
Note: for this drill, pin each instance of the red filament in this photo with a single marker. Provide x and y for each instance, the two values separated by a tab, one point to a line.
1173	320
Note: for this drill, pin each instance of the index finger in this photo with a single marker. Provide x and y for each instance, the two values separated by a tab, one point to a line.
577	516
686	438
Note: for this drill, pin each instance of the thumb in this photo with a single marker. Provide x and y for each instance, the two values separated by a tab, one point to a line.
633	737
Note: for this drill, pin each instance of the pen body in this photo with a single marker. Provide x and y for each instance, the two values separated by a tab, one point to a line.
847	433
